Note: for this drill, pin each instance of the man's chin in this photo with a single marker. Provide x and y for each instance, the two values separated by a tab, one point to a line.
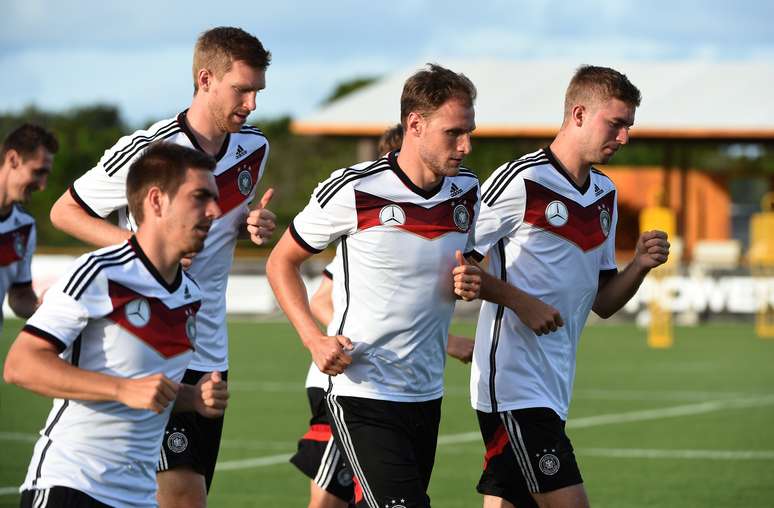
235	123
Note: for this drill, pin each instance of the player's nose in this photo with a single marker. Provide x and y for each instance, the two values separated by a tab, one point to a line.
250	101
465	145
623	135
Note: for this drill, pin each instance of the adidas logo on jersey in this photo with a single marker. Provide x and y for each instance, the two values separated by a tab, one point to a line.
597	190
455	191
187	293
240	152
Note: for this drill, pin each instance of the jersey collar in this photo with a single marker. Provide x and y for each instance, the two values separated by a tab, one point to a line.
181	120
171	288
560	168
392	157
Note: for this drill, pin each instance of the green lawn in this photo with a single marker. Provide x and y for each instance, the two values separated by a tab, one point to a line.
690	426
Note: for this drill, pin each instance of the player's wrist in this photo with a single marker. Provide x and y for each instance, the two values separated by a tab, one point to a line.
639	267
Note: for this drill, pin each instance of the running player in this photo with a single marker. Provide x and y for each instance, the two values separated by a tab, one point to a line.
331	480
26	157
401	221
229	69
548	224
112	340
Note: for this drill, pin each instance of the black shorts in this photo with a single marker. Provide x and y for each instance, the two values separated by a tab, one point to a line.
318	457
191	439
527	451
390	447
58	497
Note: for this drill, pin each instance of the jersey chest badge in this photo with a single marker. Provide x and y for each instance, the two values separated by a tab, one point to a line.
604	220
392	215
557	214
245	182
138	312
461	217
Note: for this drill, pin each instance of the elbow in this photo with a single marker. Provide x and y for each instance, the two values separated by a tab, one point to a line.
11	372
273	268
56	215
271	265
602	312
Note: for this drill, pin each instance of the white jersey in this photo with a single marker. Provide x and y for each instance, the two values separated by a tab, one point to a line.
240	165
17	244
551	239
112	313
315	378
397	253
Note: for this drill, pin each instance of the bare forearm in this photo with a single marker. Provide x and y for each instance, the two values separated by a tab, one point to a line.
285	279
321	303
69	217
500	292
618	290
48	375
540	317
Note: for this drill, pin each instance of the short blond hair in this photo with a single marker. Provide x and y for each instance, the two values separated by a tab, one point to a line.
218	48
592	84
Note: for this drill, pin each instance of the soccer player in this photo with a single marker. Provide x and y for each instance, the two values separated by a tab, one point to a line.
229	69
26	157
112	339
548	222
401	221
318	457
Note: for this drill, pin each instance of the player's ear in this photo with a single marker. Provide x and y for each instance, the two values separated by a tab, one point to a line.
154	201
414	123
13	158
578	114
204	79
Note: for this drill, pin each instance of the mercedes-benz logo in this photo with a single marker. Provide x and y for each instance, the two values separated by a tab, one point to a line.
556	213
392	215
138	312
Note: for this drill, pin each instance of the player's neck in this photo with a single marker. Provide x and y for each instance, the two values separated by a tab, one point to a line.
6	203
159	254
416	170
209	136
570	159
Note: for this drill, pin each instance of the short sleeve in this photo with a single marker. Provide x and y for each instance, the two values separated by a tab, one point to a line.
503	199
64	313
102	189
322	222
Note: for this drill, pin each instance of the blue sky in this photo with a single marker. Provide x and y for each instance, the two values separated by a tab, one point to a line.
137	54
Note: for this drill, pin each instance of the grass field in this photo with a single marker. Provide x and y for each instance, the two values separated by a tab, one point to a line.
691	426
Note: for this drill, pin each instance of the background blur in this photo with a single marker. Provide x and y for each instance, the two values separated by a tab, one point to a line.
700	163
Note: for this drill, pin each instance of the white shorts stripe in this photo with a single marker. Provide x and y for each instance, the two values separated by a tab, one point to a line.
337	412
163	465
327	465
41	498
520	450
